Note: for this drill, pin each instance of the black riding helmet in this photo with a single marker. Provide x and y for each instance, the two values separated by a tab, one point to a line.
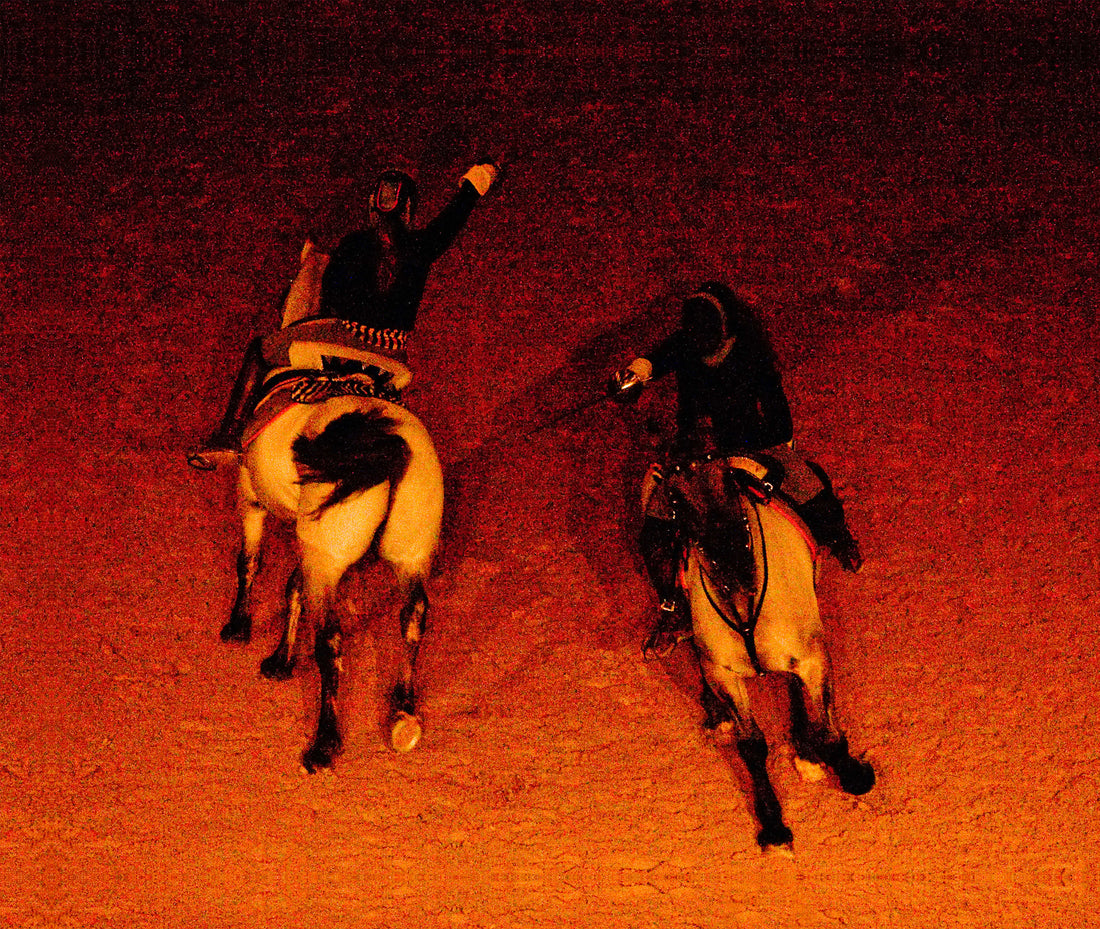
394	196
703	319
714	315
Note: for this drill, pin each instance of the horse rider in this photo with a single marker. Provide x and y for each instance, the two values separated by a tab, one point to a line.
348	314
730	402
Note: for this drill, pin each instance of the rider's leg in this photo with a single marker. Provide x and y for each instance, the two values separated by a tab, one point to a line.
661	550
660	544
225	443
808	487
823	514
303	299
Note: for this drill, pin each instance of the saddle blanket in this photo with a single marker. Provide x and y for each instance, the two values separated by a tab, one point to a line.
311	387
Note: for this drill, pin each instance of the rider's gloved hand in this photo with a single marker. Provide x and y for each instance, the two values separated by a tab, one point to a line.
625	386
482	176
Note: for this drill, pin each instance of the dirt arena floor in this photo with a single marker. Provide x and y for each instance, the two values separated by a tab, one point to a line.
911	201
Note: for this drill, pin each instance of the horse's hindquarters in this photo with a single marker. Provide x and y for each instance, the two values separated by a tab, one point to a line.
269	461
274	472
415	519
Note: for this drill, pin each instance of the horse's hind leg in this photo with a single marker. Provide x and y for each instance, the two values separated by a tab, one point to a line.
817	739
279	665
239	627
405	726
318	597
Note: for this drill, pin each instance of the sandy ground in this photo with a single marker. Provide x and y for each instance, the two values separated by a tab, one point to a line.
915	218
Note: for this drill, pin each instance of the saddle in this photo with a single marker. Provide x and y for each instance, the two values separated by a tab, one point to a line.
317	359
714	478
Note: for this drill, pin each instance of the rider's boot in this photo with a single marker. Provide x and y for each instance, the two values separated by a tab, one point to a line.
224	446
823	515
661	548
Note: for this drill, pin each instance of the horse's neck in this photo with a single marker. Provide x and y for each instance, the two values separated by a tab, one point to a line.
786	545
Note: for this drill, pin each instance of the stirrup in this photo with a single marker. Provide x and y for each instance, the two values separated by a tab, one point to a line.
667	633
210	458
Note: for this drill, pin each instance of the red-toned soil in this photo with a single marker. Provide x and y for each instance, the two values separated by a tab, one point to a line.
917	223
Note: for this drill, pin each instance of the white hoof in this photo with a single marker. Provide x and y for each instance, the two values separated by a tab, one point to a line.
809	771
786	852
405	732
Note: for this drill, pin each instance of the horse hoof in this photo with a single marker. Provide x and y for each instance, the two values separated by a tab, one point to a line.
857	778
810	771
721	734
320	757
236	632
405	732
785	851
276	669
776	840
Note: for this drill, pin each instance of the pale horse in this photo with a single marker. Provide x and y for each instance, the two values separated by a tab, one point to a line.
332	451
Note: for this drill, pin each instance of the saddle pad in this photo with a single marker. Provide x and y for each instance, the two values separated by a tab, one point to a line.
781	507
308	389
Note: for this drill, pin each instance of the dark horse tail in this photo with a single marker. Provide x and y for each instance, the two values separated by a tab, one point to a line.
355	452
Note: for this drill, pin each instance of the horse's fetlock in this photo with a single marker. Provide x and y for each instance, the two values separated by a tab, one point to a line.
248	566
328	649
834	751
753	751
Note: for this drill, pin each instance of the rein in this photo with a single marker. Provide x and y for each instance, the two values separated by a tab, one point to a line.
745	626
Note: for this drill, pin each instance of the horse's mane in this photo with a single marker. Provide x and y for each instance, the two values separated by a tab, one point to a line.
713	518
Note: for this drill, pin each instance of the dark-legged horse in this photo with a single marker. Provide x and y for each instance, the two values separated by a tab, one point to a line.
349	473
749	578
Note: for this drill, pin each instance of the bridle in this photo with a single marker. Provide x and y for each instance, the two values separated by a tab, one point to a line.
743	625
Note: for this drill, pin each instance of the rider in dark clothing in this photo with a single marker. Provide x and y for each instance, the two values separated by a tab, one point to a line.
730	402
373	281
735	401
376	276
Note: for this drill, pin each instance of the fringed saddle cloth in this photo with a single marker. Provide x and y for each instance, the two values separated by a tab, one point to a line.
317	359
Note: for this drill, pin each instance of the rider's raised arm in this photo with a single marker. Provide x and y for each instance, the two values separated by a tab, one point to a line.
438	235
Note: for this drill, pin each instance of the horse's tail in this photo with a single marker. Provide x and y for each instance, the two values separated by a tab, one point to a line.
354	452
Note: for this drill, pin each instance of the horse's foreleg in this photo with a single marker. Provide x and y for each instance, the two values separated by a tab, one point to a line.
318	598
726	701
280	664
774	834
405	726
817	738
239	627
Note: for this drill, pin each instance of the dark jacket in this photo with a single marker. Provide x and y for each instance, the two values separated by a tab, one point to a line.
735	407
381	287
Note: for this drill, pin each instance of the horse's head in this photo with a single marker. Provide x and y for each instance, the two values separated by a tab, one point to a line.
712	511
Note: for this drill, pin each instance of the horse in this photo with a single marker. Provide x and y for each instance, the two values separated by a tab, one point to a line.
352	474
748	574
